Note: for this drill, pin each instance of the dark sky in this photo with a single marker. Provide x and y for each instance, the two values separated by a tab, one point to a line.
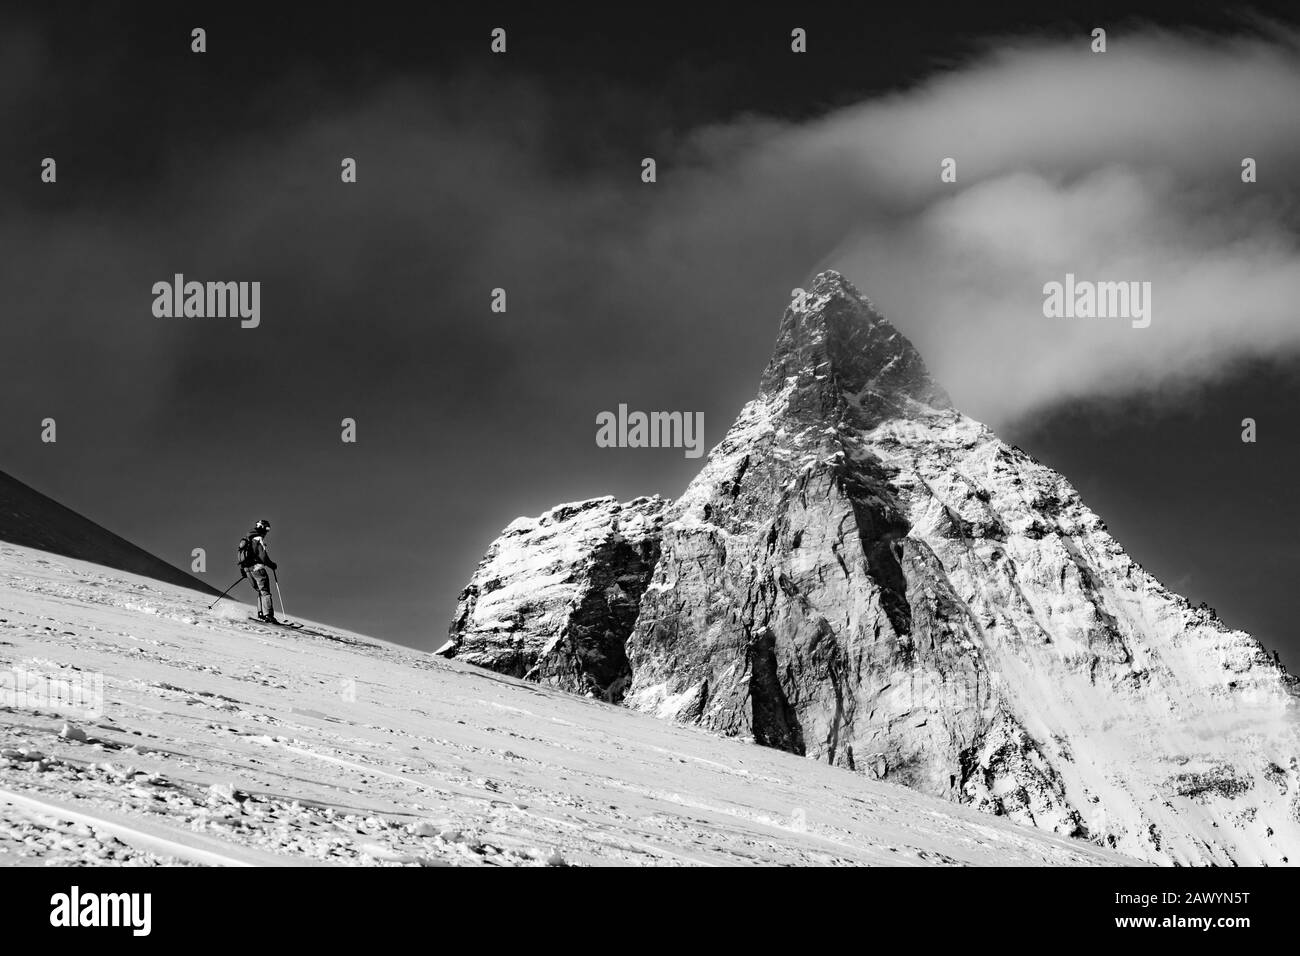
519	171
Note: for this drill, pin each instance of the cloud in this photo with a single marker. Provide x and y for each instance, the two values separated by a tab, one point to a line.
965	276
1117	166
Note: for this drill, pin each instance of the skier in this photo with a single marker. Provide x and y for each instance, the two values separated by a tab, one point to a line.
253	562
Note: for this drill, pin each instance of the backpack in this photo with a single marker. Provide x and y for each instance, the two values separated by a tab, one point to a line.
246	554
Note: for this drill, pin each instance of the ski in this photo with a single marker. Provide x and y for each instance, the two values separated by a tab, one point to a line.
296	626
289	624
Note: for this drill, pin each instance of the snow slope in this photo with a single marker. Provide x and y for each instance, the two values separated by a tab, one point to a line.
220	741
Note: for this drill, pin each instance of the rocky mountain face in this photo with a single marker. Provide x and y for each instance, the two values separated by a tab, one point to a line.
555	598
865	576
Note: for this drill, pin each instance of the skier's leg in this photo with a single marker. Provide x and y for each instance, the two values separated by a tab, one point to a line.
262	583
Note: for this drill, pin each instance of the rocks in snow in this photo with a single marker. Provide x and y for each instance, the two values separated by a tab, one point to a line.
220	793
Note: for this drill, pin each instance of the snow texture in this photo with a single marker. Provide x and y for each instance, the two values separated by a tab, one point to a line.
220	740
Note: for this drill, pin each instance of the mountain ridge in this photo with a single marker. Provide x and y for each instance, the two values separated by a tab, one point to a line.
35	520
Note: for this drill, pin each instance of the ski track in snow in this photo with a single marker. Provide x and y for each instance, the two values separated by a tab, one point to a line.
225	742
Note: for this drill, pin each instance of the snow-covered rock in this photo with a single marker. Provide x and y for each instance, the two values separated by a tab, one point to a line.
865	576
556	596
73	732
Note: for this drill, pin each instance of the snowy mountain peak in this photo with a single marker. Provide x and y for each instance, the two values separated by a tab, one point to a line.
835	346
863	575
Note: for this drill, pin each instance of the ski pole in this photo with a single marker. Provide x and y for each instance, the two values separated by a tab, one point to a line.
224	593
277	591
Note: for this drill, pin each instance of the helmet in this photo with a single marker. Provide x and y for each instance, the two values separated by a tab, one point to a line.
262	525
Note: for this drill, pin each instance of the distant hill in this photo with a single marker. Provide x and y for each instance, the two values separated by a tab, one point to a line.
29	518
